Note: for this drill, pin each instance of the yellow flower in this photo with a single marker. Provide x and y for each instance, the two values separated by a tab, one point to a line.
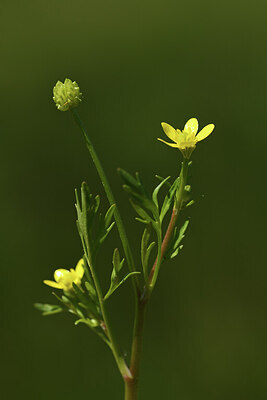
187	139
64	278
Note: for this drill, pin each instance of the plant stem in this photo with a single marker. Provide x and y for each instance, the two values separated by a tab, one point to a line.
131	384
178	202
111	199
123	368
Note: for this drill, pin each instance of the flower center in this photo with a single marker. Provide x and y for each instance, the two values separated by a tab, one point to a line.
186	139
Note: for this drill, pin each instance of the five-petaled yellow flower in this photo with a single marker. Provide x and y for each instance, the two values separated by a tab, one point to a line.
187	139
64	277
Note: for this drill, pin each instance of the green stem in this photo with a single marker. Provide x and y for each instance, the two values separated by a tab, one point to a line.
111	199
131	384
178	202
123	368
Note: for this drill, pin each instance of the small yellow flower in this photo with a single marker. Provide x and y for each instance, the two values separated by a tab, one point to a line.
64	277
187	139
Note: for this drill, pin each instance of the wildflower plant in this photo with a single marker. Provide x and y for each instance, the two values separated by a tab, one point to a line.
78	290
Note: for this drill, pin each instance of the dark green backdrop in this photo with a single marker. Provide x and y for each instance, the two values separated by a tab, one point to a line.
138	63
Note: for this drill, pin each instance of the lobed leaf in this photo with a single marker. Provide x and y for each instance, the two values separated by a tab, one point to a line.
116	286
175	245
85	300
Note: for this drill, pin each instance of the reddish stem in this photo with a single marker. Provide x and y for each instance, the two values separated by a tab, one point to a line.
166	239
176	209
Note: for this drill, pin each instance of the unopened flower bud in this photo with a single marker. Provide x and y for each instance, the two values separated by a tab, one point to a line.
187	188
67	95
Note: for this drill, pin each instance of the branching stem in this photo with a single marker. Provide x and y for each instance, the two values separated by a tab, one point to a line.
131	375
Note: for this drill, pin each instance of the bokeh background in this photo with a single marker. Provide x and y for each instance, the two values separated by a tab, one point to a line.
138	63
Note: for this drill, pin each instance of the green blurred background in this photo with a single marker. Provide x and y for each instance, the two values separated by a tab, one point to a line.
138	63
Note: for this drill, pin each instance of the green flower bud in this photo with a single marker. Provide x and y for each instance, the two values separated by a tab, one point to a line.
187	188
67	95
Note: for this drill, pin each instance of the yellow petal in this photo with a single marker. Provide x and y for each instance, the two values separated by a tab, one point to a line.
206	131
170	131
80	268
53	284
191	126
60	273
169	144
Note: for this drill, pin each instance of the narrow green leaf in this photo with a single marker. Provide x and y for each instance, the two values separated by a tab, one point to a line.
175	245
181	233
162	179
141	186
133	193
71	303
91	291
146	259
78	206
110	227
157	189
140	211
86	269
128	179
142	220
80	294
136	190
144	244
104	234
91	307
109	215
116	260
64	300
190	203
169	198
48	309
97	203
115	287
175	253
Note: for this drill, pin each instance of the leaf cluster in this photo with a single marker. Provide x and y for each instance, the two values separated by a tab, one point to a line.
152	214
116	279
93	226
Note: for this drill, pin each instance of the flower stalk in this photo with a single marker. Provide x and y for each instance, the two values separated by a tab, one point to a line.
110	197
